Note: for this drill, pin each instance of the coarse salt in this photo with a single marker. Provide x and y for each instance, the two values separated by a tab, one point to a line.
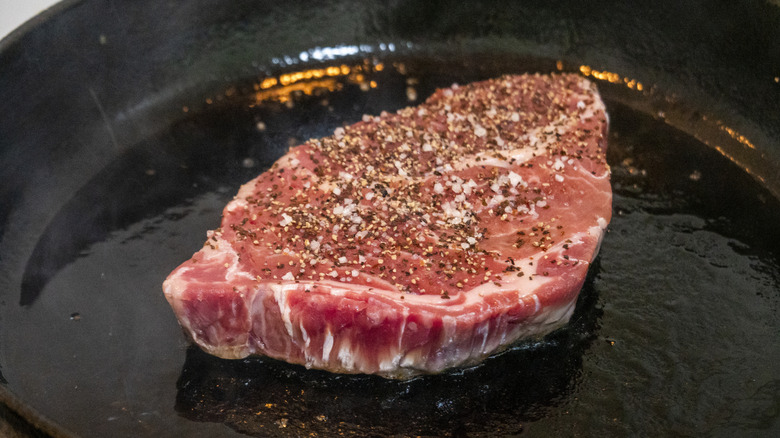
515	179
286	220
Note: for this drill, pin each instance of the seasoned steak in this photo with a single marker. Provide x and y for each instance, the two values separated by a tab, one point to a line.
411	242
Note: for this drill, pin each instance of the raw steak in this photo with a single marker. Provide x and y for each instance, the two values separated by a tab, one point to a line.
411	242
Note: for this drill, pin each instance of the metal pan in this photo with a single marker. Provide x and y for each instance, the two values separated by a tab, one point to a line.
126	126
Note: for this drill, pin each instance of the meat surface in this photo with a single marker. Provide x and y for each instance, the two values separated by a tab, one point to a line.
411	242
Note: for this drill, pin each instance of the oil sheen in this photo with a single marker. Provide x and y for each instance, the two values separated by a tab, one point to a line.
675	332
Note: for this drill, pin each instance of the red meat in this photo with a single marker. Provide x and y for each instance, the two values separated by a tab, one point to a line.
411	242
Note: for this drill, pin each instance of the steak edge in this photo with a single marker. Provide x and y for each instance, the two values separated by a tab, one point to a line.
411	242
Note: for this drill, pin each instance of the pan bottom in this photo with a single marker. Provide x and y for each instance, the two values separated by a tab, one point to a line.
674	333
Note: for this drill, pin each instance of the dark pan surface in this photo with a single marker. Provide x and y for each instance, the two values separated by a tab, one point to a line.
676	331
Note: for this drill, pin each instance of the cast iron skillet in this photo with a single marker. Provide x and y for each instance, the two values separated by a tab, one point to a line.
127	125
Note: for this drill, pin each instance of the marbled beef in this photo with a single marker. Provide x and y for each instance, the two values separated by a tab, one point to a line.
414	241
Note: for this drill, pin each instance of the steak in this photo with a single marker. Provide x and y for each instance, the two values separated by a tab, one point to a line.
414	241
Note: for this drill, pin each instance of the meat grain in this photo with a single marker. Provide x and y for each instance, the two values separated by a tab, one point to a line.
411	242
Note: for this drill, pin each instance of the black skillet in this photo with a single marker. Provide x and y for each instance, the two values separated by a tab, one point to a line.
125	126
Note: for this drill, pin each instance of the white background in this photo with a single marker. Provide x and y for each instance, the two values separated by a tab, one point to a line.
15	12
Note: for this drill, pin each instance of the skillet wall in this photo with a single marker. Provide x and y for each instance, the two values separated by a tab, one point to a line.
84	82
79	88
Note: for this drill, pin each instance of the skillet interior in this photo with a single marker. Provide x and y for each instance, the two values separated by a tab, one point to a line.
88	121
